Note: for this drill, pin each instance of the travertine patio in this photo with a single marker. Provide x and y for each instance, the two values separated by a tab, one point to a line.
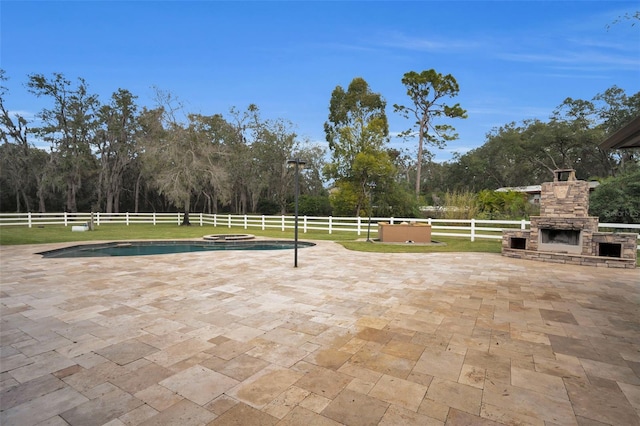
349	338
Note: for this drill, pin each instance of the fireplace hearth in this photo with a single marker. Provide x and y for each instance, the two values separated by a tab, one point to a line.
565	233
559	237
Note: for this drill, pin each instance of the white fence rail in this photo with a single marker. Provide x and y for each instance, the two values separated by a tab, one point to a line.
467	228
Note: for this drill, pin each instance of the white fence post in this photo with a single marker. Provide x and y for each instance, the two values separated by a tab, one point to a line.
523	224
154	218
29	216
215	220
359	222
282	223
245	221
65	219
330	220
473	230
391	220
304	224
229	221
127	218
263	223
201	220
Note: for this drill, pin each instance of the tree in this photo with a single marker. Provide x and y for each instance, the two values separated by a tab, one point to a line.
150	131
314	197
177	176
427	90
615	109
273	145
357	131
16	167
214	131
357	122
70	127
243	176
172	159
617	199
527	153
628	16
115	141
311	181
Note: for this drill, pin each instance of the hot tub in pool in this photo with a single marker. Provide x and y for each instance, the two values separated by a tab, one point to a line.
146	248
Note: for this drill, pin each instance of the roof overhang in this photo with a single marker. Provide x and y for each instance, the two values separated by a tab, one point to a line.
625	138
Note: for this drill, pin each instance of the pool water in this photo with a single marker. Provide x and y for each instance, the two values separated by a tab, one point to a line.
147	248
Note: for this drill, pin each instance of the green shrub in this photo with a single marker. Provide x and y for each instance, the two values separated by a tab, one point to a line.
314	205
460	205
509	205
617	199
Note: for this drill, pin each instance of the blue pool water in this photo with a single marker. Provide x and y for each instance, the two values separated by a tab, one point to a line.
147	248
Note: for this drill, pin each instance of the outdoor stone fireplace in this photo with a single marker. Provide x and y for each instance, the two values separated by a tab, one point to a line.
564	233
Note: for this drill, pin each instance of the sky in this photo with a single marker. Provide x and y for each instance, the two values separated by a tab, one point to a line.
513	60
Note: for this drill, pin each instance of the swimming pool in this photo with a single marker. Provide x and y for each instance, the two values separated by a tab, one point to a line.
147	248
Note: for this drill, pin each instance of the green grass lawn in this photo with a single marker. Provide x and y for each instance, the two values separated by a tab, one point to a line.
450	244
12	235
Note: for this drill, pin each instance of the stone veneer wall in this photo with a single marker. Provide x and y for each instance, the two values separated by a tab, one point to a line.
546	256
564	205
628	242
588	225
564	199
591	257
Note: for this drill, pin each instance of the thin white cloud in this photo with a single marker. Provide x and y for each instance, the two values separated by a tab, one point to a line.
601	60
517	112
601	44
580	74
399	40
348	47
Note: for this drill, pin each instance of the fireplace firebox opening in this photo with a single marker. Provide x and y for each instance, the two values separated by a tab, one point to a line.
518	243
609	250
560	236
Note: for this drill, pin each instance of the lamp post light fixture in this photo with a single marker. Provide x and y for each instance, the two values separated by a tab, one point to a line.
297	163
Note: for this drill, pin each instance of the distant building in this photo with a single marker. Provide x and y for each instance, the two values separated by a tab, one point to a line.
533	191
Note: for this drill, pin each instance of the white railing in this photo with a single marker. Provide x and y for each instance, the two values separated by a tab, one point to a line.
468	228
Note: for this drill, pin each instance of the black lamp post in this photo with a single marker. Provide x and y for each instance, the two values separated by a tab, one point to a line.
297	163
372	186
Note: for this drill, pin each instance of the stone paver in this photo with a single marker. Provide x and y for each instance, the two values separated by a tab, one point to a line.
347	338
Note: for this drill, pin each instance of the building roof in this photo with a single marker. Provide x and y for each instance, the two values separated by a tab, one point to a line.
625	138
531	189
536	189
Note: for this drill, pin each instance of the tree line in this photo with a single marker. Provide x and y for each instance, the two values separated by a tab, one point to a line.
118	156
527	152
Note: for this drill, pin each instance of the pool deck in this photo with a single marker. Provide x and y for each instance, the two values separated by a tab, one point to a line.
225	338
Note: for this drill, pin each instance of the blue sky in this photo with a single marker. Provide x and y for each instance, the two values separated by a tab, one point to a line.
513	60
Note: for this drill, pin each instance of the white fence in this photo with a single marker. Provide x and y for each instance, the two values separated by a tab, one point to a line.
468	228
